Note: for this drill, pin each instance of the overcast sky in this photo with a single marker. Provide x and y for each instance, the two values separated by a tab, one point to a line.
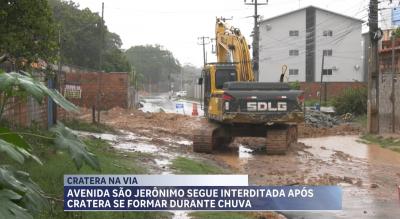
177	24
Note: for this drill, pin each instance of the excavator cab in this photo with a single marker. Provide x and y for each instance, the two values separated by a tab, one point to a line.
214	77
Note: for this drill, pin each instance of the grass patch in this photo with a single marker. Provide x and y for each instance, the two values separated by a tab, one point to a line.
89	127
57	163
188	166
389	143
222	215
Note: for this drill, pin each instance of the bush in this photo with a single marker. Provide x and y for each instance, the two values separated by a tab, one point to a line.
352	100
294	85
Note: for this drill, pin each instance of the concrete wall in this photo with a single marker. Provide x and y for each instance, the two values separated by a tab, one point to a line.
385	104
275	44
346	45
193	90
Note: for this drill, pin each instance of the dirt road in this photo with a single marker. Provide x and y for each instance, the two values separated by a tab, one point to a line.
368	174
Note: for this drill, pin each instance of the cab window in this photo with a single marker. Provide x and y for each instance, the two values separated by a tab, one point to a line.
223	76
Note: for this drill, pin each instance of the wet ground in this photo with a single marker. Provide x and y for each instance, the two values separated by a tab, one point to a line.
164	103
368	174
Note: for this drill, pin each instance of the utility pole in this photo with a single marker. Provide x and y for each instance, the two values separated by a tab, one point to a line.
392	96
57	75
373	70
181	78
203	42
256	36
322	75
98	97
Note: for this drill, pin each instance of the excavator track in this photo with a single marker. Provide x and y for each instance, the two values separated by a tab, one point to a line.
205	140
279	139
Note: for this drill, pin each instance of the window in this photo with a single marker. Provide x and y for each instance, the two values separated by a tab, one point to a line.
293	52
327	52
293	71
222	76
327	72
293	33
327	33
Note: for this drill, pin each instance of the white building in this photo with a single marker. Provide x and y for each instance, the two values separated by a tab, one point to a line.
297	39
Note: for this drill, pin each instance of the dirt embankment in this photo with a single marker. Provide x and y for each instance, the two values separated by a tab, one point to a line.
138	121
185	126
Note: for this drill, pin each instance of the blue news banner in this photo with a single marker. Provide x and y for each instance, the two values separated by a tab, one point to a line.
105	193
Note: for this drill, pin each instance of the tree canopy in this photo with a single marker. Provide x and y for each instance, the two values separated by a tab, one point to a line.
81	38
153	62
27	30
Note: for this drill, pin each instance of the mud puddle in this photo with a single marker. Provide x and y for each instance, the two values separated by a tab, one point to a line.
347	147
180	215
367	174
235	157
164	149
137	147
373	167
103	136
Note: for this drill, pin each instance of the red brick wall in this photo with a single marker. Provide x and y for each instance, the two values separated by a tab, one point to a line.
110	88
23	112
311	89
113	92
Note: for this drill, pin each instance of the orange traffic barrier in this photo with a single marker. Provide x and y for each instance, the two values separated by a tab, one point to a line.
194	111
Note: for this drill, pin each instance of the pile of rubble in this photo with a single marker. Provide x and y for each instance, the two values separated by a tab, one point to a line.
319	119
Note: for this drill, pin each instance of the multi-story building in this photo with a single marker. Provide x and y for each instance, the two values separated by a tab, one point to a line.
305	38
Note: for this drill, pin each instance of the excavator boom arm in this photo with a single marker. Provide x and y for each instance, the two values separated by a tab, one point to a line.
231	46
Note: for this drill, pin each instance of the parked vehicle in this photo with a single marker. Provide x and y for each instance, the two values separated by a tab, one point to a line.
181	93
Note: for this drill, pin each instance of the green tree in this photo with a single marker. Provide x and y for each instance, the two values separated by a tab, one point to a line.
114	59
397	32
81	38
27	30
154	63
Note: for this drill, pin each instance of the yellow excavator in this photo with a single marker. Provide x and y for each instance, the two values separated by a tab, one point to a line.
237	106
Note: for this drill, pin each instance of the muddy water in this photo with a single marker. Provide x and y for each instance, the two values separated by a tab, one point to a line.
326	146
339	157
370	163
236	158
